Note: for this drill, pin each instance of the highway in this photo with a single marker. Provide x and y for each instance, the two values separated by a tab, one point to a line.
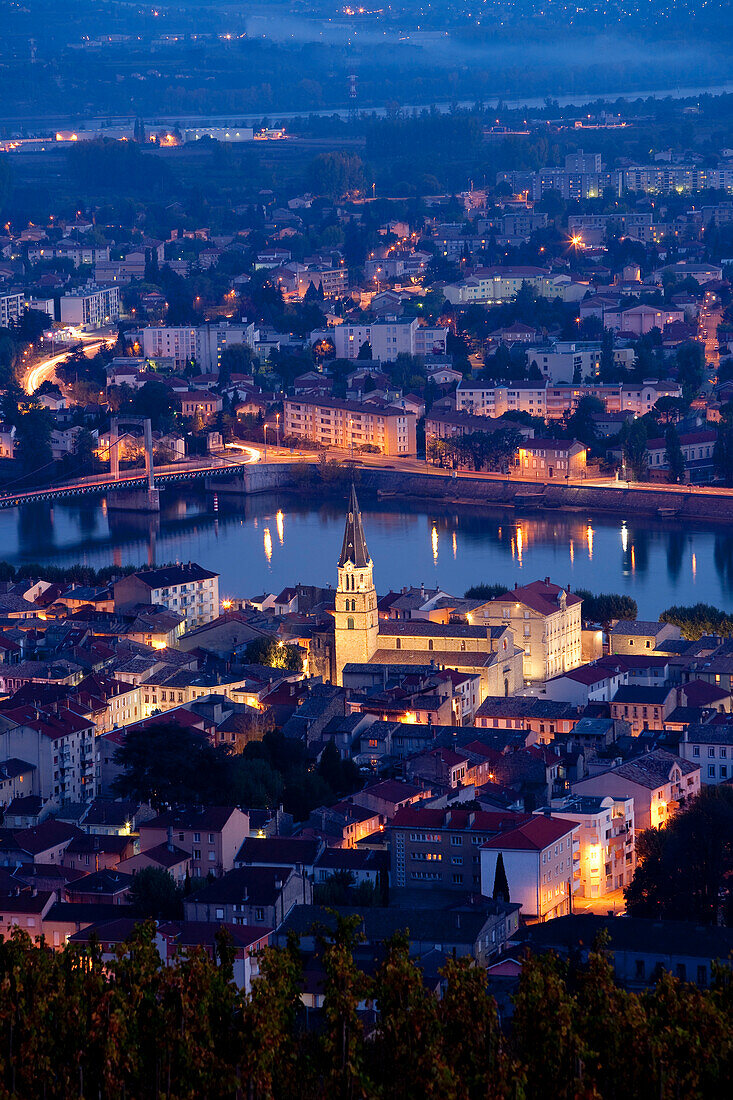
43	371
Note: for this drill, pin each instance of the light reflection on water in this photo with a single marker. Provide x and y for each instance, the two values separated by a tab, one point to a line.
652	560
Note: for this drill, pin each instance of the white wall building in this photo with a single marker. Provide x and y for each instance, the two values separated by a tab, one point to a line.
90	306
606	835
11	307
542	865
387	339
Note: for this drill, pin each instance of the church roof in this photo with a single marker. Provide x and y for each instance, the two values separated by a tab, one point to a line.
354	547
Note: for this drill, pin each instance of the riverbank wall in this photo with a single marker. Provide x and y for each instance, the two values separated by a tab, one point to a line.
682	505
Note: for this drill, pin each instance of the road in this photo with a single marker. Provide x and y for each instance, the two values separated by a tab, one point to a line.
710	317
43	371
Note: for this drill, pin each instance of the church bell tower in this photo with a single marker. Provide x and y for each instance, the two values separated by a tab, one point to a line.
356	619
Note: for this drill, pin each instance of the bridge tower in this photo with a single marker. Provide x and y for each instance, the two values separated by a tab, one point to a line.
139	500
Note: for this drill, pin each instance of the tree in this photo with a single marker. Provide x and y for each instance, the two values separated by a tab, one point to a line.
33	438
154	894
85	451
674	456
699	619
365	351
165	764
723	450
336	174
606	606
634	440
274	654
6	181
684	868
484	591
501	885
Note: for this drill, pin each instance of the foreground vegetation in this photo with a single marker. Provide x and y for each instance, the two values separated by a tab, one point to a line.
73	1026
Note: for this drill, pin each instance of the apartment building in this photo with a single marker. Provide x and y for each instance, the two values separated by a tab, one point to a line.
61	744
541	860
11	308
90	306
594	229
607	844
697	449
553	402
710	748
212	339
493	285
545	621
387	339
663	179
188	590
440	848
659	783
201	403
332	422
177	343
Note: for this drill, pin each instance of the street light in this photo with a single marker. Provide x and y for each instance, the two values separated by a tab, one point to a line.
264	429
277	422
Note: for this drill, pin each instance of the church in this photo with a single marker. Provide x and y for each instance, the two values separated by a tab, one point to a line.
360	637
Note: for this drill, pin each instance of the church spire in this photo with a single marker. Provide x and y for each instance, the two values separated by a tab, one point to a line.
354	547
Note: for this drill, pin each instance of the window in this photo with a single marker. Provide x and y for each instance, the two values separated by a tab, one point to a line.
456	841
711	750
197	853
220	914
702	975
197	838
695	750
259	914
349	623
711	771
430	643
682	972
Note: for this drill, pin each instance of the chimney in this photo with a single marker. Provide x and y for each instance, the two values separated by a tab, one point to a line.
516	584
547	580
170	838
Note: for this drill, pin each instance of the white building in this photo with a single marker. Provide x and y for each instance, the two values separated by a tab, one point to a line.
205	344
606	835
11	308
90	306
62	747
542	864
188	590
493	285
387	339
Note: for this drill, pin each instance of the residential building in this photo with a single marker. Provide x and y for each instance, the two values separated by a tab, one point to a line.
710	748
61	744
639	948
188	589
439	848
11	307
250	896
697	450
551	458
90	306
201	403
659	783
211	834
541	860
347	425
545	621
607	844
636	636
644	708
387	339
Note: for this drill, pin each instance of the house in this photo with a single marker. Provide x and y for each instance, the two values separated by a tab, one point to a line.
281	852
592	683
709	747
388	796
697	450
659	782
541	860
166	857
639	948
478	930
541	720
201	403
633	636
361	864
551	458
61	742
211	834
250	896
643	707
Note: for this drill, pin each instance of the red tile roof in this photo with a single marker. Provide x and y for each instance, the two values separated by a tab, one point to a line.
534	835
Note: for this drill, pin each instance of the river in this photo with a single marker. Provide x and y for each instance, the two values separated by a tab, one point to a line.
270	541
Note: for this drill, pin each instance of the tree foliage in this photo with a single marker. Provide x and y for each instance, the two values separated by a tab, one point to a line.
274	654
605	606
698	619
75	1024
684	868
